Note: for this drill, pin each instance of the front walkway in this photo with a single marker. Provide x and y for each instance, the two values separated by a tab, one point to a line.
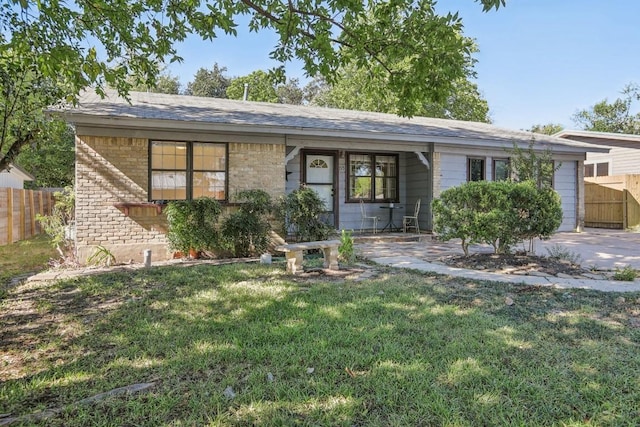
604	249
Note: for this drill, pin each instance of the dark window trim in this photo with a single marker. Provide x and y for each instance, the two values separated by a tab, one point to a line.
190	170
372	199
593	170
484	167
598	171
498	159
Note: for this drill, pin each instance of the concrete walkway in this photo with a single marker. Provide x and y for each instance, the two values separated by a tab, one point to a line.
605	249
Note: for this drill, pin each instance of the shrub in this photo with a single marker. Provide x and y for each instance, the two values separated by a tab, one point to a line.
300	213
192	224
626	274
247	229
346	250
539	212
563	254
57	224
498	213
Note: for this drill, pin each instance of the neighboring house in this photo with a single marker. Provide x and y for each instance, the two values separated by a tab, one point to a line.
622	159
133	157
612	188
14	177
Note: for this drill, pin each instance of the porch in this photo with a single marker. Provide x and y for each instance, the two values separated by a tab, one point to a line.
388	183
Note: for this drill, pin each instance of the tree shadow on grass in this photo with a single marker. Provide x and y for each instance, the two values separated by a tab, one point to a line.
246	344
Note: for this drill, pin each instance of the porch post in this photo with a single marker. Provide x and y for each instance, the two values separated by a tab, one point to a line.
580	196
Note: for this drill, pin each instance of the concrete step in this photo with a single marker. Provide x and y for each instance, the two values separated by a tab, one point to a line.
391	237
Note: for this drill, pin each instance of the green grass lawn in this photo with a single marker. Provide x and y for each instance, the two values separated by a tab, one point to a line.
25	256
247	345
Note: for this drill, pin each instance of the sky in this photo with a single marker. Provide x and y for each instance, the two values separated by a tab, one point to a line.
539	61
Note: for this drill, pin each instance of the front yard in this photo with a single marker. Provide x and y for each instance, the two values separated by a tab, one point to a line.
245	344
24	256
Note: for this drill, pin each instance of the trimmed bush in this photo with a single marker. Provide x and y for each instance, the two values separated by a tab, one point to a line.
497	213
192	224
300	212
247	229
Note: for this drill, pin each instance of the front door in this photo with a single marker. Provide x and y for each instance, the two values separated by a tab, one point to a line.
320	175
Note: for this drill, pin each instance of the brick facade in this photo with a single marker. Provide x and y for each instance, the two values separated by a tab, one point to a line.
111	170
256	166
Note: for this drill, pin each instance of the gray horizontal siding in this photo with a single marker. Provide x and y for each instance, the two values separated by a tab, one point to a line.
564	183
621	160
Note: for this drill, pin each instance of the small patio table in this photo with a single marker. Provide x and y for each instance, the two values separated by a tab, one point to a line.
390	224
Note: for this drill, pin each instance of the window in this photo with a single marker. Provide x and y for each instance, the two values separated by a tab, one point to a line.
589	170
319	164
475	169
187	170
373	177
602	169
501	169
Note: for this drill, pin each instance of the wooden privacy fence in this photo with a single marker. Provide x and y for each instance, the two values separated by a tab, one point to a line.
18	210
612	201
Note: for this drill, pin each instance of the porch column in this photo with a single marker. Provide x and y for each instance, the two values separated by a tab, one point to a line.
580	196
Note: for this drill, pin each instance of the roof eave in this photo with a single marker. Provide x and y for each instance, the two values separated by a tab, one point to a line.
200	126
587	136
20	173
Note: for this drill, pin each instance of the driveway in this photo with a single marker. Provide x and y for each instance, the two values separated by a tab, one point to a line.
597	247
600	248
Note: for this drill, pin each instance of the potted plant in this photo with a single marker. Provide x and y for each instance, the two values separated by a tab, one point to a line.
192	225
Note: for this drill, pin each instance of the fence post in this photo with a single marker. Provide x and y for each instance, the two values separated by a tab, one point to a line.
40	209
22	215
625	220
10	215
32	207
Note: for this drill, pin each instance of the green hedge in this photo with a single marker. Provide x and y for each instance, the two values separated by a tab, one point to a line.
497	213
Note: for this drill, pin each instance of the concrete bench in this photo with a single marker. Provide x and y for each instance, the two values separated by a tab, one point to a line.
294	253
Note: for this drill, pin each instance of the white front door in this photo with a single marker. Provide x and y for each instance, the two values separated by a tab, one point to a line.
319	175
